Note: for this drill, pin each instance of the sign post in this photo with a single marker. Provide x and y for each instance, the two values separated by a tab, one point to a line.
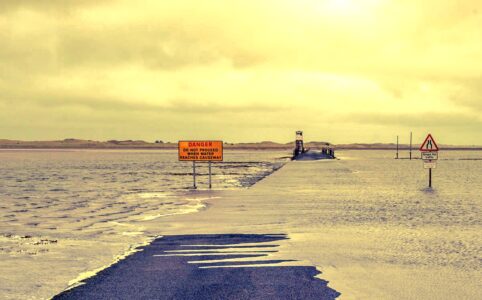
194	174
209	166
207	151
429	151
430	178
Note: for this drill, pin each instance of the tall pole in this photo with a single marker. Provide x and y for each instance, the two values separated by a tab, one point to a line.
209	174
194	174
397	146
430	178
410	145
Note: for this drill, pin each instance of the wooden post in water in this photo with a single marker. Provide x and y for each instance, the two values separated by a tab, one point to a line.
410	145
397	147
209	174
194	174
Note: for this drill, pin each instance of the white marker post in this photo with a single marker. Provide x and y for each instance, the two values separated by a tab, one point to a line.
429	151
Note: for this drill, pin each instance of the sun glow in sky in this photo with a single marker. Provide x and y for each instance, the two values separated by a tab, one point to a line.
341	6
341	70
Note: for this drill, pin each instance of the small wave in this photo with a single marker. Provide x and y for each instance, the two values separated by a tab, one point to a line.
79	280
467	159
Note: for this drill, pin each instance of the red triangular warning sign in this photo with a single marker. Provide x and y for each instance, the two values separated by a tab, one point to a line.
429	144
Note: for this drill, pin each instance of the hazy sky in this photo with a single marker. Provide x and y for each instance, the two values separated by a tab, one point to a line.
341	70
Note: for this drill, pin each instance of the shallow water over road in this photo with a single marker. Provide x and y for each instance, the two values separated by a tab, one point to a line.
76	211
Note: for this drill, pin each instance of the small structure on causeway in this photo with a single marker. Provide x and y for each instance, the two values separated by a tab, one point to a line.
299	147
325	151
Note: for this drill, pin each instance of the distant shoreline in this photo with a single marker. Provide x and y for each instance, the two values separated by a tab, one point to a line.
76	144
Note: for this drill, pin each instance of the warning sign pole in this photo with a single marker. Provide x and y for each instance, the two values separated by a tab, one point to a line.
429	151
194	174
200	151
209	174
430	178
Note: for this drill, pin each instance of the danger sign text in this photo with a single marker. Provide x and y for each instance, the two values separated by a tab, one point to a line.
200	150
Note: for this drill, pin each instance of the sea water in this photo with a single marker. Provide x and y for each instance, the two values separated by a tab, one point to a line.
77	211
65	215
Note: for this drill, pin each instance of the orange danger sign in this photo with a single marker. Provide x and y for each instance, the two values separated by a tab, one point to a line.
200	150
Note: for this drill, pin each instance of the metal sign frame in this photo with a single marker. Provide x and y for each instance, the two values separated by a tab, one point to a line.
208	142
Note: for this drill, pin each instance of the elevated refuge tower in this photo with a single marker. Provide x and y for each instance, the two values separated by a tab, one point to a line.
322	150
299	147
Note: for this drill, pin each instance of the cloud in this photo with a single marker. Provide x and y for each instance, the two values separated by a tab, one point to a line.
162	46
427	120
469	94
40	40
273	65
7	6
102	104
